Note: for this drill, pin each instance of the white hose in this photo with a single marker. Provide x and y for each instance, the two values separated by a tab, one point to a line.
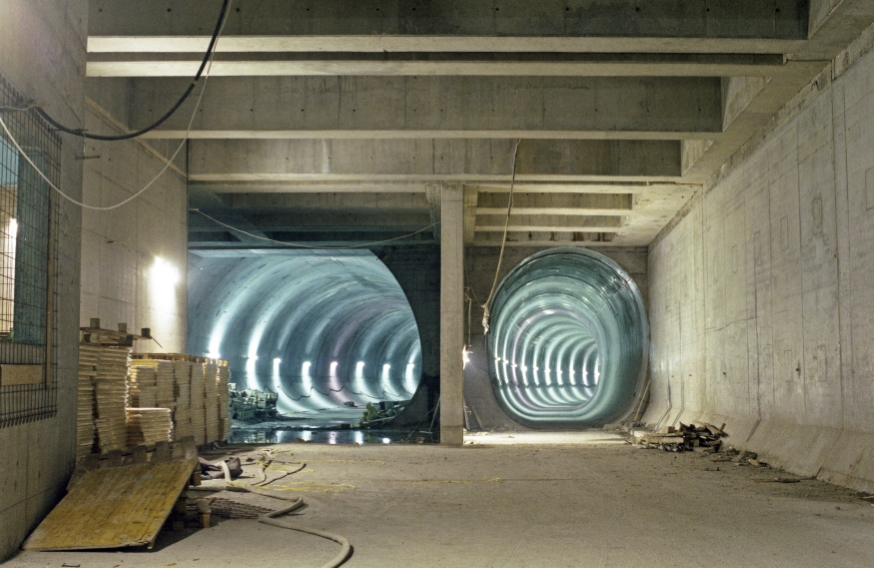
270	519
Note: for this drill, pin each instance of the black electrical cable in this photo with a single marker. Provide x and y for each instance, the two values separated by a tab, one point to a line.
81	133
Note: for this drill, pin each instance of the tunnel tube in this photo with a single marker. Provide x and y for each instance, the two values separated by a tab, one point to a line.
568	340
319	328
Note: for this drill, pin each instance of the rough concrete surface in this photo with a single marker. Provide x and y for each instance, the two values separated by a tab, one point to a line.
595	503
762	312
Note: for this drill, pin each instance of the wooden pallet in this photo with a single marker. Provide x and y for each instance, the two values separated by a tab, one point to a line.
120	337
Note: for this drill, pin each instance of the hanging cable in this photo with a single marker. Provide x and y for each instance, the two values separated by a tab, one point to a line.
206	59
148	185
298	245
486	306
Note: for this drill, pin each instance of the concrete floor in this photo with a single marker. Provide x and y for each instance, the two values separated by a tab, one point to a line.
495	504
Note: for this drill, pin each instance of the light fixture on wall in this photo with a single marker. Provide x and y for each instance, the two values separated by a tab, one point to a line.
164	273
164	311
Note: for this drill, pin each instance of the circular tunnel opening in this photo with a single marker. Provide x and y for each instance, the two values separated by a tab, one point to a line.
327	331
568	340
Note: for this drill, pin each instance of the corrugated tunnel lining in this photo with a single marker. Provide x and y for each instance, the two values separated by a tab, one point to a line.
568	343
320	328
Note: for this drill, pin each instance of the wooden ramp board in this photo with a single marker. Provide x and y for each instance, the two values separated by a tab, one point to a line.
114	507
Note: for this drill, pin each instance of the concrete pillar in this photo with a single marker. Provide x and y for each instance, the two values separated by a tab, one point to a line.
451	315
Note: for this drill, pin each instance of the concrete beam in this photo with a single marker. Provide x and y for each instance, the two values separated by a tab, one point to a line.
298	221
549	223
588	188
231	43
471	196
777	19
545	240
275	161
438	107
358	186
343	202
580	204
758	108
486	64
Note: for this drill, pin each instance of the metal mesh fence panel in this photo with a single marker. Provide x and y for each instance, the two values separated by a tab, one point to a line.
28	263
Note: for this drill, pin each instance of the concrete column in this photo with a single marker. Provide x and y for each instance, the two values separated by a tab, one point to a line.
451	315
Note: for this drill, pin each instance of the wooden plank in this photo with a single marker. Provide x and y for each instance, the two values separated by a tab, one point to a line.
114	507
21	375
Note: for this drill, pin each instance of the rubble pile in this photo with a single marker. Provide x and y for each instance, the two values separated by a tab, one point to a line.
706	438
252	405
384	412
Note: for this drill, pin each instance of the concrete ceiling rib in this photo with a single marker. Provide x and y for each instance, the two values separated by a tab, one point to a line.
326	120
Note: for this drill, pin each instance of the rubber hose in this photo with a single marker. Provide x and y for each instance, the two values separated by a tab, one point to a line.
338	560
270	519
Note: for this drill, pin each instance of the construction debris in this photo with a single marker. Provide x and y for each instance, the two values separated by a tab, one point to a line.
706	439
253	405
379	415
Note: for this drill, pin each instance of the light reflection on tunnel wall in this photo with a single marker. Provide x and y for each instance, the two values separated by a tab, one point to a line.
568	342
320	328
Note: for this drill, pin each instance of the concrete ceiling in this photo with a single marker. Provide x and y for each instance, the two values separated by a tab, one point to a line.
337	122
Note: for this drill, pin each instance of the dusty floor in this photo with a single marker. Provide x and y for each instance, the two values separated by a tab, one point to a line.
504	501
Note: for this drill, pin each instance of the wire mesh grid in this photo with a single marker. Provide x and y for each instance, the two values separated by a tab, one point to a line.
28	240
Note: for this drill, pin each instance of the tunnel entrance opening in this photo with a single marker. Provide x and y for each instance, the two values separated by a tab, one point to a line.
568	343
327	331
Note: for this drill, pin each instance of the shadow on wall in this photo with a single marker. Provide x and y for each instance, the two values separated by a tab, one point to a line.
320	328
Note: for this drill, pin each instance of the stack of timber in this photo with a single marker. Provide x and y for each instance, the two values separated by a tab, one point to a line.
198	406
148	426
182	390
210	395
86	431
224	400
166	384
104	357
111	397
142	386
706	438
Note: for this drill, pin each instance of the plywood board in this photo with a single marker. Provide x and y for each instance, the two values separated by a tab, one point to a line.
114	507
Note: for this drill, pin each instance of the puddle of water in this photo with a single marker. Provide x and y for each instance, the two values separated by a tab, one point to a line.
285	435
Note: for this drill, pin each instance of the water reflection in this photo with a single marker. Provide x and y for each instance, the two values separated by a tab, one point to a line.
280	435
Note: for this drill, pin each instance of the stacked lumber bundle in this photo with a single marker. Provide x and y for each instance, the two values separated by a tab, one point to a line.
706	438
210	392
147	426
111	397
182	414
166	384
198	406
86	432
224	401
142	386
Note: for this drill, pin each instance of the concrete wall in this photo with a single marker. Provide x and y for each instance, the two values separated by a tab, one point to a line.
481	263
120	247
417	270
42	53
762	313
